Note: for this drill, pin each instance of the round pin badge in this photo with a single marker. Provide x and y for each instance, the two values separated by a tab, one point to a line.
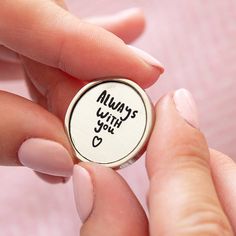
109	122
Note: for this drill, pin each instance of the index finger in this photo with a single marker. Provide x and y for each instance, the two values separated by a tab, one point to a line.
47	33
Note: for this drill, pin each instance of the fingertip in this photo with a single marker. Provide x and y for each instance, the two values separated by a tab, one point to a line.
148	58
52	179
127	24
46	156
186	107
132	24
113	203
83	192
152	67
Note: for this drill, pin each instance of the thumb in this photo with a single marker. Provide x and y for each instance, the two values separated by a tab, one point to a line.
182	197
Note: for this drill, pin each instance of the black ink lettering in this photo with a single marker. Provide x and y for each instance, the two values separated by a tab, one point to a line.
121	107
118	123
113	119
108	118
134	114
102	96
108	122
111	130
128	113
102	114
107	98
99	128
113	105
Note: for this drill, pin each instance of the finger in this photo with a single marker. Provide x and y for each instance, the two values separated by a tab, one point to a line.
41	100
47	33
33	137
127	25
58	90
224	174
8	55
34	93
47	79
182	196
106	204
51	179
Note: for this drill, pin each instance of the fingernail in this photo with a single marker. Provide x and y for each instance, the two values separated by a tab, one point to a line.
83	192
46	156
147	58
128	12
50	178
186	106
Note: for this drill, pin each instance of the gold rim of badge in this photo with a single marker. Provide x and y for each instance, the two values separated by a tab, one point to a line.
141	145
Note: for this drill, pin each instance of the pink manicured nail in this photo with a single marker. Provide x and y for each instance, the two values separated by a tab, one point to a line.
46	156
83	192
115	18
186	106
129	12
147	58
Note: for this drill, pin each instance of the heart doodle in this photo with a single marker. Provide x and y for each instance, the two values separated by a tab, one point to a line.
96	141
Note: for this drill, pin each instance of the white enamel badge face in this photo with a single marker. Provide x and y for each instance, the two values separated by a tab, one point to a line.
109	122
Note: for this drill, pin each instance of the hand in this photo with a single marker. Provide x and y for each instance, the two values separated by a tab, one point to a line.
60	53
192	189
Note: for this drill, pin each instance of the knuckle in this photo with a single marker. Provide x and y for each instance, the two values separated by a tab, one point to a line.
205	219
191	151
67	40
63	42
182	157
189	157
63	31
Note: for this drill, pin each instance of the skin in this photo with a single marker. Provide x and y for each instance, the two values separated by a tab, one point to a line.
191	188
